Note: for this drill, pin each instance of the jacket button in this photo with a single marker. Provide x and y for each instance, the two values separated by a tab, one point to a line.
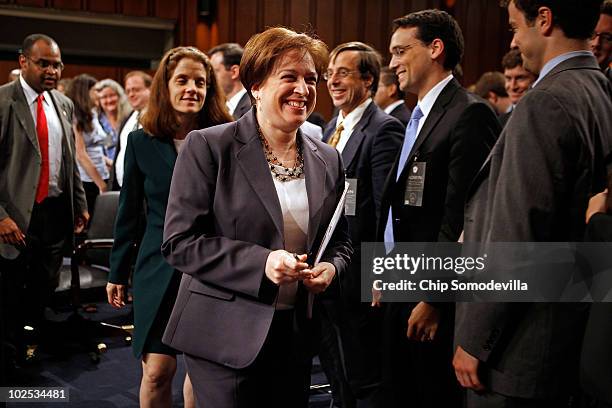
486	347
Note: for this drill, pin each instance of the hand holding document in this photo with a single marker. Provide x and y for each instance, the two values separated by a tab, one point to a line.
326	238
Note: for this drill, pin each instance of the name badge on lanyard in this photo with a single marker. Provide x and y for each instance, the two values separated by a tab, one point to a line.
350	205
415	184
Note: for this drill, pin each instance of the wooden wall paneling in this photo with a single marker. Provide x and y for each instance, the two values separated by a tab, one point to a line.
396	9
137	8
247	19
66	4
272	13
31	3
299	14
206	36
186	22
374	24
166	9
326	22
225	20
349	21
102	6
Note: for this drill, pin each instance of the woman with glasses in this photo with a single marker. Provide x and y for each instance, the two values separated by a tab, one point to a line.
114	109
184	96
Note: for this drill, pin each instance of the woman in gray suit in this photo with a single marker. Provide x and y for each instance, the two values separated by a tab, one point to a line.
184	96
249	204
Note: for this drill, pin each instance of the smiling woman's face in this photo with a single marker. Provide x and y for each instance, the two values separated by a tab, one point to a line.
187	86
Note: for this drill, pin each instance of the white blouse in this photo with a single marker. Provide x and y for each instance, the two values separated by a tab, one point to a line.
294	205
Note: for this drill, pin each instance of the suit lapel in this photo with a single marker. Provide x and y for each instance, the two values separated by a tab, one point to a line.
356	138
166	150
252	161
24	116
314	169
437	112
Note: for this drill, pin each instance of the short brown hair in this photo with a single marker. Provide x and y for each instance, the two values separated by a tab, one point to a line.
263	51
159	119
146	78
388	77
491	82
369	60
512	59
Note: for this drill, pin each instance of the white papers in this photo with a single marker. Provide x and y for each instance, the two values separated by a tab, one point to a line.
328	234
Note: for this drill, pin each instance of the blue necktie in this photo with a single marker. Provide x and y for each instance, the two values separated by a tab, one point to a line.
409	139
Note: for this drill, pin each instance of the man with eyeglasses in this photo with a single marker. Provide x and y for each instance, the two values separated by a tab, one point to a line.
368	140
42	202
601	43
449	135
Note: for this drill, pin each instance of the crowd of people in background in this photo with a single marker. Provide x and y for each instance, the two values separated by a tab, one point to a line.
228	179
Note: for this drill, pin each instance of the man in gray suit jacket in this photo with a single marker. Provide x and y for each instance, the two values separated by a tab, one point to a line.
42	201
535	187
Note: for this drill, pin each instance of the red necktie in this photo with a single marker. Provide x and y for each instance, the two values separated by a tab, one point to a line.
42	133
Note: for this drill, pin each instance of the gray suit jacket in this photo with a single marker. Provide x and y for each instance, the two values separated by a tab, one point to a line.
222	221
244	105
534	187
20	160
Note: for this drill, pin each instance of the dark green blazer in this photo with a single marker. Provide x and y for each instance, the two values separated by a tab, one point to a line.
149	162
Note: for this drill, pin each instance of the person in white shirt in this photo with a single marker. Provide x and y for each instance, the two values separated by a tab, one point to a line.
390	98
137	84
225	59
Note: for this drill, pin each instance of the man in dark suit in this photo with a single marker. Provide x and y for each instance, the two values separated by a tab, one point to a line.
601	43
225	59
492	87
449	135
368	140
390	98
42	201
534	188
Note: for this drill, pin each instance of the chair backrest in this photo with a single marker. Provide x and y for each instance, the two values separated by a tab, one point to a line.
103	221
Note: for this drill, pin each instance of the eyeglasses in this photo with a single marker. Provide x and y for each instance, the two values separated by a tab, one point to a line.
603	37
44	64
399	50
341	73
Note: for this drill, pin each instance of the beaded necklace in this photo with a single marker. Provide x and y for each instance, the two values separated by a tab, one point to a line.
279	171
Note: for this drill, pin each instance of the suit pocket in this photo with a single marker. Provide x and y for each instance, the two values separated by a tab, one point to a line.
196	286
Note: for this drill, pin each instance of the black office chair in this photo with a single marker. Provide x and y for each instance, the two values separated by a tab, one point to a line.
87	276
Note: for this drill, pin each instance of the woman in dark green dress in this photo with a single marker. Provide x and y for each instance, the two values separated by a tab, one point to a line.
184	96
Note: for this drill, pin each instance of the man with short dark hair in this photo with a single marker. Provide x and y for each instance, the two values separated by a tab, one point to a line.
368	141
225	59
137	88
518	79
449	135
535	187
492	87
390	98
42	202
601	43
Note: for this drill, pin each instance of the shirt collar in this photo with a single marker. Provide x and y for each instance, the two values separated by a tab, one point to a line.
430	97
392	106
354	116
31	94
232	102
557	60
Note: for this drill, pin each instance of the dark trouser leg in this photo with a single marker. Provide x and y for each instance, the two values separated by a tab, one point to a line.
330	354
495	400
278	378
45	244
91	193
12	300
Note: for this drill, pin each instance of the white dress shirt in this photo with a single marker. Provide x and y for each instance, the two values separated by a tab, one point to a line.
392	106
349	122
232	102
55	133
131	125
430	98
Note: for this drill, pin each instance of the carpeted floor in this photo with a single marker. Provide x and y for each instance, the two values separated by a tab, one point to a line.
113	382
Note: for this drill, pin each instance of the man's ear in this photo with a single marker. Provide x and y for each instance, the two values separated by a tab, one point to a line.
437	48
391	90
491	96
544	21
235	70
22	61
